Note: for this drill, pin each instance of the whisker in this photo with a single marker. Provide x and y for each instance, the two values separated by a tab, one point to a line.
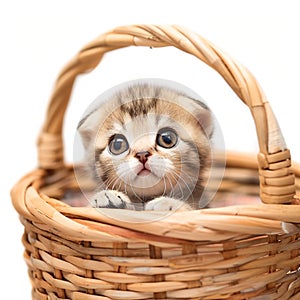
171	186
170	174
134	193
113	184
177	176
184	173
165	186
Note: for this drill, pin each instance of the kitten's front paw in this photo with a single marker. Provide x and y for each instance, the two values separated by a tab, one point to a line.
111	199
166	203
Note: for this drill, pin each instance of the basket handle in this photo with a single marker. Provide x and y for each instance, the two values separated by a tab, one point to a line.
277	183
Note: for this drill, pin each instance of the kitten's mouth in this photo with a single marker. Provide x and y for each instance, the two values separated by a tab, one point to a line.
144	172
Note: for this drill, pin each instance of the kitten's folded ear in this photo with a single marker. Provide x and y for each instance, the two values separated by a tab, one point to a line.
88	127
204	116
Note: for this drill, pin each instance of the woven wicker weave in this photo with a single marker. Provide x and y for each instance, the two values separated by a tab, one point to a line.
245	251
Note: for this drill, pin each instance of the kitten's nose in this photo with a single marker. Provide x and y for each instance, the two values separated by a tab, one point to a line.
142	156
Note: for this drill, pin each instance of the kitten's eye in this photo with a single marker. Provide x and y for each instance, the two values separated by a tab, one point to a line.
118	144
166	138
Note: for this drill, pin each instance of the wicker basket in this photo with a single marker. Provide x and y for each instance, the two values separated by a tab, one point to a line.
245	251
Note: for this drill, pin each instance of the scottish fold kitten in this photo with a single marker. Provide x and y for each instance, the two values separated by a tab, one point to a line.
148	145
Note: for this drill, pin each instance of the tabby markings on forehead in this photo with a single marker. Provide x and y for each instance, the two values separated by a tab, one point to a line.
139	107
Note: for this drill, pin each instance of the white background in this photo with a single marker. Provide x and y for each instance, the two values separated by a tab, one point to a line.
39	37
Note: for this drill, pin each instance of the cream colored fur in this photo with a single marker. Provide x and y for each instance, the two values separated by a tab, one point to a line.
138	112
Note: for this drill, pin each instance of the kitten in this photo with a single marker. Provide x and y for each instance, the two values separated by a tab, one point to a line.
149	147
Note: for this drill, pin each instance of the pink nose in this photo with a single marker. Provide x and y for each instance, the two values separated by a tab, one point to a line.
142	156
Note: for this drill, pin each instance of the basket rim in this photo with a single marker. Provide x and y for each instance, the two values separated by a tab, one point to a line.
214	224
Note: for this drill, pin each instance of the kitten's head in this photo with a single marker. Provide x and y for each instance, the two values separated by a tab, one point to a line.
149	140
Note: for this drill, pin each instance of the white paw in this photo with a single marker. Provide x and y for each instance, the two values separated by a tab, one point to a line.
166	203
111	199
